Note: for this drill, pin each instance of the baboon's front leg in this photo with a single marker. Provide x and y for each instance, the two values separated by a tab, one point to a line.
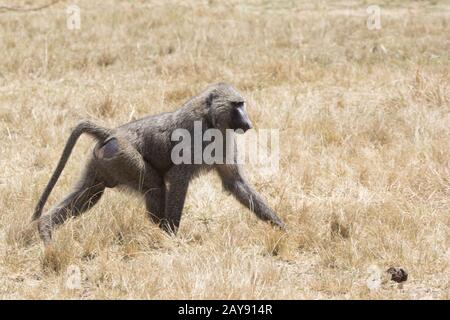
178	179
234	182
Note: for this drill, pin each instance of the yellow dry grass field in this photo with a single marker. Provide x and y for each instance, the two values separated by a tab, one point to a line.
364	122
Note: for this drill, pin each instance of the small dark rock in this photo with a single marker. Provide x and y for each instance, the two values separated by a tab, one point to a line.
397	274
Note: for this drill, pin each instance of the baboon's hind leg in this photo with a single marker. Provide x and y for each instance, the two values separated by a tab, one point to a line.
155	204
155	195
85	195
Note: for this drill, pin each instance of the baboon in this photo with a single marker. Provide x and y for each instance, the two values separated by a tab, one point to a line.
137	155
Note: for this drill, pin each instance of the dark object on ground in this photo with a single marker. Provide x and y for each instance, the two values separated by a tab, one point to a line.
397	274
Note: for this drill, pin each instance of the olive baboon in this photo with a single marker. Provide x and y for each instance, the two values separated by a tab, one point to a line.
137	155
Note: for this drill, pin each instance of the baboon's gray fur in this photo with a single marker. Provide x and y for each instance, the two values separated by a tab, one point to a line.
137	155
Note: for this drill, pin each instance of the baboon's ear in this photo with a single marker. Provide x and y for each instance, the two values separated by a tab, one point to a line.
209	99
209	105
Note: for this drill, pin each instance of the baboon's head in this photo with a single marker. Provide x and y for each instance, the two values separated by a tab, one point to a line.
227	108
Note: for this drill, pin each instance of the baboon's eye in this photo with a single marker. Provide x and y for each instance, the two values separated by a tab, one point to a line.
237	104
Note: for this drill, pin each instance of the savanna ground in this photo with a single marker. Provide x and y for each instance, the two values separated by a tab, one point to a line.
363	117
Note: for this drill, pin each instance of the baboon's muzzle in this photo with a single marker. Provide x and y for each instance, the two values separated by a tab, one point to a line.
246	126
241	120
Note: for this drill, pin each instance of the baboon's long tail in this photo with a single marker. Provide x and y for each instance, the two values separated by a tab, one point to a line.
88	127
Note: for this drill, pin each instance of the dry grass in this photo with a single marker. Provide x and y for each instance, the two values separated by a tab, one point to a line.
364	168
